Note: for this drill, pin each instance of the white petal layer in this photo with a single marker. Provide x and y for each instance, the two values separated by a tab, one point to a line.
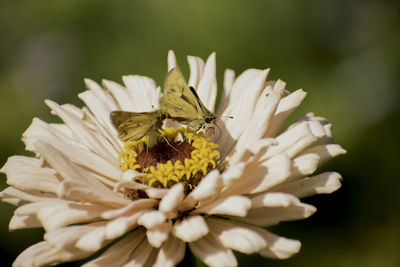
212	253
43	254
143	92
170	253
96	191
27	173
272	215
118	254
68	236
263	112
324	183
237	237
279	247
140	255
121	225
244	96
286	106
259	176
157	235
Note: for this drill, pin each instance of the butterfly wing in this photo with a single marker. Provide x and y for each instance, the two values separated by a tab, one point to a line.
133	126
182	103
176	85
178	108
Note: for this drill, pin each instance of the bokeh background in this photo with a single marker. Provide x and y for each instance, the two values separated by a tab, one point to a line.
344	53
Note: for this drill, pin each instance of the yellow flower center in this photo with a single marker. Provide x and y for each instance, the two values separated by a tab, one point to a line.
186	157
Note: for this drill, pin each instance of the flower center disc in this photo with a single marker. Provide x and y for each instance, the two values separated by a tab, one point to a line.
187	157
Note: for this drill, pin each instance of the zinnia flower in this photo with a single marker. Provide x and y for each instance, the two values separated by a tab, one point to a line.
94	194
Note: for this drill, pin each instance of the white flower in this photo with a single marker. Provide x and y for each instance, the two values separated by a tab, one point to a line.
74	188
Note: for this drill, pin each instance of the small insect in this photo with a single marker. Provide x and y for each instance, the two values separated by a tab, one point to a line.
132	126
181	103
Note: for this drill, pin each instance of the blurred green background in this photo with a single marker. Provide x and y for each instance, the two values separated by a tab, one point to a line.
345	54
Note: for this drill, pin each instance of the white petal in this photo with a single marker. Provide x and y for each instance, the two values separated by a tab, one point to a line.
325	152
134	206
190	229
233	173
92	241
211	253
237	237
157	235
82	132
96	191
39	132
62	214
232	205
21	197
292	141
27	174
118	254
263	112
43	254
207	189
127	181
324	183
172	60
286	106
68	236
121	225
303	165
172	199
244	96
152	219
273	215
273	199
258	177
140	255
100	105
196	66
23	221
279	247
171	253
120	94
229	77
143	92
207	88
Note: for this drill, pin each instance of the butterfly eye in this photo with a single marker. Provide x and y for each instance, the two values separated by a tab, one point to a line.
208	120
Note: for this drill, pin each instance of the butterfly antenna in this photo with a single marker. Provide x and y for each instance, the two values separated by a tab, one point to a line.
228	116
166	140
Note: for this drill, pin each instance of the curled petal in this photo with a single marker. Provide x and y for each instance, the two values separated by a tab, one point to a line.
190	229
157	235
152	219
172	199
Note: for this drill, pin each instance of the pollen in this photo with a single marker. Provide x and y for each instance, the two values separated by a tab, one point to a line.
181	155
